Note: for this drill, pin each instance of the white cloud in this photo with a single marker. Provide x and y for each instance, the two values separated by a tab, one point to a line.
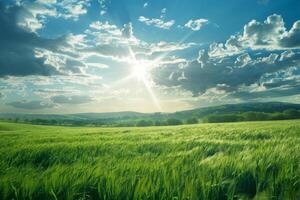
105	27
264	34
102	7
286	54
47	1
107	40
243	60
97	65
268	35
196	25
233	73
102	12
159	23
292	38
202	57
32	16
72	9
163	13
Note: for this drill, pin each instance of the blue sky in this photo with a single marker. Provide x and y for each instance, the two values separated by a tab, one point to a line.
68	56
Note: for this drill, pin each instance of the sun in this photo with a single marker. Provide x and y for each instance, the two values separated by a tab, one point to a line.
140	71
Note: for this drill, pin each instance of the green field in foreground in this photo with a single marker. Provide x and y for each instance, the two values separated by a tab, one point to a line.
258	160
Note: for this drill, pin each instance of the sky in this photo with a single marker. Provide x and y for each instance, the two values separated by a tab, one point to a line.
72	56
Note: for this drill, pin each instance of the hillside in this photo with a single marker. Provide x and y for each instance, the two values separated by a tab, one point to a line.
131	118
268	107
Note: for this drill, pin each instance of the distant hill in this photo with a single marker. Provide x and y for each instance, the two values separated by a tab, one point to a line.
110	115
131	118
76	116
268	107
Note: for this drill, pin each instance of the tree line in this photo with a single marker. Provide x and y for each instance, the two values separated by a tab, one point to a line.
110	123
252	116
165	121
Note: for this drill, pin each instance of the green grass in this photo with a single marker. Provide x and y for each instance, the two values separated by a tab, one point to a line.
259	160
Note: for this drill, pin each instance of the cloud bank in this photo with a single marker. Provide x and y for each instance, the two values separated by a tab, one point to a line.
263	61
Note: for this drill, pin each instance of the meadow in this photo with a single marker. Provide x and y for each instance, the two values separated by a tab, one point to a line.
247	160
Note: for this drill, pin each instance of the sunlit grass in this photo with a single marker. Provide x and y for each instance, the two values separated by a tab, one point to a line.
258	160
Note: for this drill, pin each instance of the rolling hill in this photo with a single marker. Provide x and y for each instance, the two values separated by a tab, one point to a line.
129	118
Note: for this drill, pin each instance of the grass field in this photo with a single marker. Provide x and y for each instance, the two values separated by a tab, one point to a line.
259	160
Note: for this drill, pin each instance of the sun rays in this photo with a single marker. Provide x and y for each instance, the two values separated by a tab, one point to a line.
140	70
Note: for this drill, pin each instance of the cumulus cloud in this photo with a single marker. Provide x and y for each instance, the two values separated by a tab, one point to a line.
270	34
159	23
263	59
283	89
291	39
17	49
31	105
104	26
196	25
111	41
228	74
265	33
32	15
76	99
23	52
73	9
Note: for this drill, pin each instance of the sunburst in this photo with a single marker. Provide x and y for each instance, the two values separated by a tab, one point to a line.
140	70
